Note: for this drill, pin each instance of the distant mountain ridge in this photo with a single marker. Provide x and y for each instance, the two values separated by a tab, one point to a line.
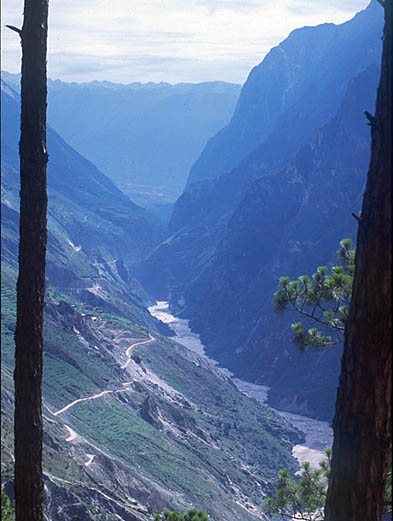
140	134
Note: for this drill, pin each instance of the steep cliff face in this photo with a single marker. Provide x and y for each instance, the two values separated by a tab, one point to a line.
287	224
201	214
295	89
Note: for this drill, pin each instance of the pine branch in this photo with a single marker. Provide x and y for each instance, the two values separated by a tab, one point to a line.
316	319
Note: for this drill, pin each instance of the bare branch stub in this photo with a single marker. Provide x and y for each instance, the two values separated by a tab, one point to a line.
16	29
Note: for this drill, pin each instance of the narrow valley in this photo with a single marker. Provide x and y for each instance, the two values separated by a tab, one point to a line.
318	434
195	190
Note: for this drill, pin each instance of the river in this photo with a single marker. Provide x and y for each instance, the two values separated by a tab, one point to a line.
318	434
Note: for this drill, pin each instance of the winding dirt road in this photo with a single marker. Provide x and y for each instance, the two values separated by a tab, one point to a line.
102	393
151	339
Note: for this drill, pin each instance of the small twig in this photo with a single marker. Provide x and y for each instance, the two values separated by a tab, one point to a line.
13	28
371	118
360	220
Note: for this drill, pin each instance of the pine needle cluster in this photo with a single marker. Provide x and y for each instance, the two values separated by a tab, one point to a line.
323	298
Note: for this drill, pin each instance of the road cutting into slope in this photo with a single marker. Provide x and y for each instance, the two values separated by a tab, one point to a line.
103	393
128	350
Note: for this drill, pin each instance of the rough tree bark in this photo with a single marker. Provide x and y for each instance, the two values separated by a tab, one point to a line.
362	424
31	279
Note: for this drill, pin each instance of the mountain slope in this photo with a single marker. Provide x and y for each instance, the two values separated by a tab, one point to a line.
128	431
287	224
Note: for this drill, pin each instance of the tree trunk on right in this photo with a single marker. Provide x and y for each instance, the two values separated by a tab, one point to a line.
362	424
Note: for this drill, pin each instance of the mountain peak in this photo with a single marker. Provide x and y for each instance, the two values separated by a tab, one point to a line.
308	73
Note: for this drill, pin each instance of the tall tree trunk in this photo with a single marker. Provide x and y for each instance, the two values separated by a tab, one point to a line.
31	280
362	424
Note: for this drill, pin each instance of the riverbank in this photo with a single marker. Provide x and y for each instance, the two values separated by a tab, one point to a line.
318	434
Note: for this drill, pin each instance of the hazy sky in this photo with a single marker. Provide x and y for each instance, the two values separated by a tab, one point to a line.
166	40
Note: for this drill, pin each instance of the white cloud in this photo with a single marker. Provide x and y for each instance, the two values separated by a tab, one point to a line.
169	40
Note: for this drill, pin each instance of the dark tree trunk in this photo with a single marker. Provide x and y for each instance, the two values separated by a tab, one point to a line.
362	424
31	280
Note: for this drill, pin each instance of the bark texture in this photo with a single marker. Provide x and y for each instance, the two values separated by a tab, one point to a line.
31	279
362	424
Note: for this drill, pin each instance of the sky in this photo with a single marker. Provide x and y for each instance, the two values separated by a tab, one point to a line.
166	40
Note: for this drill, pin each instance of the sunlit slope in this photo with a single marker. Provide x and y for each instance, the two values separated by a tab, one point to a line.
136	423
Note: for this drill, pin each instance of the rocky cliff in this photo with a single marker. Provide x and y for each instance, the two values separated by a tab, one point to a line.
292	92
288	223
